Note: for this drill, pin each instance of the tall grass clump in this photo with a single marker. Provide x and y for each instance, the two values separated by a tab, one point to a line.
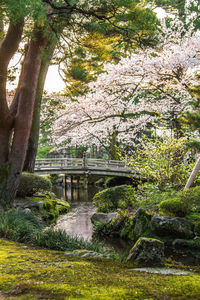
59	240
20	226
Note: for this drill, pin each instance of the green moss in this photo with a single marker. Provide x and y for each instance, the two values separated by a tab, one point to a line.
174	207
194	217
113	198
53	207
32	273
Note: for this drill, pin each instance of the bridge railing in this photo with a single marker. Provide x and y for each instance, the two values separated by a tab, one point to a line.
77	162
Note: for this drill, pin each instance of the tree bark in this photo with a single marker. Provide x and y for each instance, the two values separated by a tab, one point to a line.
31	153
11	169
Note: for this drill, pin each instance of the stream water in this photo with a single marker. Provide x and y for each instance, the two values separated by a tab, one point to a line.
77	222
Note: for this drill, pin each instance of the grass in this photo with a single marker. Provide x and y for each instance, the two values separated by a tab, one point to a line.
27	272
24	227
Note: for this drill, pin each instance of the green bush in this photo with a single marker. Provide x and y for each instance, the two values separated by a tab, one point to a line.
174	207
195	218
161	160
150	195
113	198
192	197
118	180
31	183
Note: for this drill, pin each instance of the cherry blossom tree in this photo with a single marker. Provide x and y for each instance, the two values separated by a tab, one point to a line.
130	95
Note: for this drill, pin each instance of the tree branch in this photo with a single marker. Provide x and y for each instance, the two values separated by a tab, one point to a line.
8	47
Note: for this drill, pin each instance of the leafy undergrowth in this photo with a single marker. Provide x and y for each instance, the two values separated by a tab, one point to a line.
32	273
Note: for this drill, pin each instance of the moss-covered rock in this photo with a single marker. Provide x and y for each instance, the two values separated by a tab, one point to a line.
113	226
125	224
193	244
48	205
147	252
103	218
174	207
173	227
142	220
111	199
31	183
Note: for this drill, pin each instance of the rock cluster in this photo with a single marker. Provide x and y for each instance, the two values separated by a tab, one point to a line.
176	232
147	252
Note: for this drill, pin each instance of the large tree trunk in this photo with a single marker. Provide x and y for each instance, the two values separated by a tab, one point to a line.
13	160
31	153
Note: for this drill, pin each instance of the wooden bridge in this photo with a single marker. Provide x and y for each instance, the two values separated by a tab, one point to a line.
82	166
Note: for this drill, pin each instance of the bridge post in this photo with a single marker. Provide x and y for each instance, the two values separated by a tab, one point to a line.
65	186
72	183
84	160
85	182
78	182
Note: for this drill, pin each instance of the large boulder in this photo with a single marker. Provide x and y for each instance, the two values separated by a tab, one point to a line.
103	218
173	227
147	252
141	222
190	244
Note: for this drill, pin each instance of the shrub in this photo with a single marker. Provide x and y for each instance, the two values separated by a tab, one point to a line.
174	207
113	198
192	197
118	180
150	195
161	160
31	183
195	218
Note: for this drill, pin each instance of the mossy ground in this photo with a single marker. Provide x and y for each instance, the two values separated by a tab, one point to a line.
32	273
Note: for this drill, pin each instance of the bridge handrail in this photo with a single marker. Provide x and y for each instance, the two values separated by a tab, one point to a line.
78	162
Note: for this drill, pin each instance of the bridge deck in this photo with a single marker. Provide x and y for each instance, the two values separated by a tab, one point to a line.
82	166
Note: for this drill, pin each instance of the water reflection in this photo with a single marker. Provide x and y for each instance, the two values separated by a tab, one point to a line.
77	222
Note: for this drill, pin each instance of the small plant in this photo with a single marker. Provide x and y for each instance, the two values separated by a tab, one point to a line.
174	207
31	183
113	198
